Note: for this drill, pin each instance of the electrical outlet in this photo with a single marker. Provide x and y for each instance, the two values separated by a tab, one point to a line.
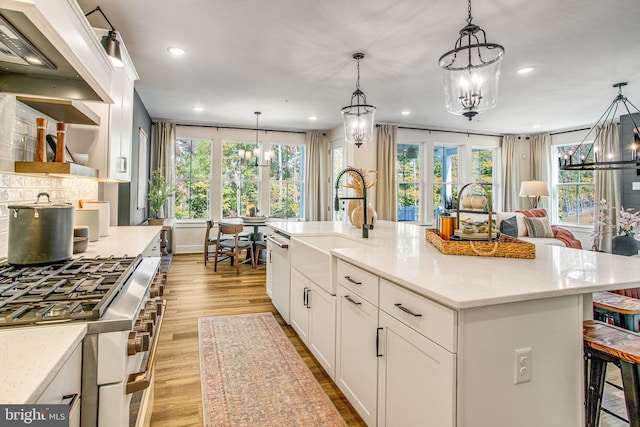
522	365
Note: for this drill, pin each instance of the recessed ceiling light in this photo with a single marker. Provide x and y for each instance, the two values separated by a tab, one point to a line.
405	113
33	60
313	118
536	126
176	51
196	108
525	70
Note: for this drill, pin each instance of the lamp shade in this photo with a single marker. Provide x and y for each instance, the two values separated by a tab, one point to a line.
358	123
534	189
112	45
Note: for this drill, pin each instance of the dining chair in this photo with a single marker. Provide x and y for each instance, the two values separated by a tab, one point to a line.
233	247
260	245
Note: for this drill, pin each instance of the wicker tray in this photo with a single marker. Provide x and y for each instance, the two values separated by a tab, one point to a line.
506	246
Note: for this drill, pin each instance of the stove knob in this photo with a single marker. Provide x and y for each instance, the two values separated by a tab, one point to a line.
143	326
149	315
146	341
134	343
154	292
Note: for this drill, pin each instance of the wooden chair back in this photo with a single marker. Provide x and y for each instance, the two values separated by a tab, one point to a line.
233	251
208	241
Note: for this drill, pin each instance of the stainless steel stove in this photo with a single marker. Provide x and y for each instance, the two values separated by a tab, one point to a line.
79	289
119	300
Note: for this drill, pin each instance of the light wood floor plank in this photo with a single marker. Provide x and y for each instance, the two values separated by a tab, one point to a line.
194	291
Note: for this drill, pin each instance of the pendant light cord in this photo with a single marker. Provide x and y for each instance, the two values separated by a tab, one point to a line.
358	80
470	18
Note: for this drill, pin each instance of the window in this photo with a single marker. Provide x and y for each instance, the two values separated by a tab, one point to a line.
482	167
445	178
239	182
408	171
575	190
286	185
193	177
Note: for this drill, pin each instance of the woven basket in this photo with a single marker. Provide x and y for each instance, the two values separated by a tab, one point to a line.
505	246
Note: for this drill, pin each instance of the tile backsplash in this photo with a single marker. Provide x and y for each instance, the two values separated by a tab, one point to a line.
17	143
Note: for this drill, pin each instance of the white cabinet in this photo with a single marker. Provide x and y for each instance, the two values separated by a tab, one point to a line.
416	378
65	387
313	317
356	358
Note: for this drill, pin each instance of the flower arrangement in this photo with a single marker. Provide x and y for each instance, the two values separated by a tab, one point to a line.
628	222
159	193
601	223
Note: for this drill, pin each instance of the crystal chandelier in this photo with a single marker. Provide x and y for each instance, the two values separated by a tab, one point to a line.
595	160
471	71
358	117
246	156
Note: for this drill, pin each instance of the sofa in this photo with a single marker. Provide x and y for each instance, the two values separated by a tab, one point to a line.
530	226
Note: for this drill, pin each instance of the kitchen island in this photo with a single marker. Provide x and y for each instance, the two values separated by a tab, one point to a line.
473	317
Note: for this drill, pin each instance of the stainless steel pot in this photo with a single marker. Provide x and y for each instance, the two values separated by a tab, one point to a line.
40	232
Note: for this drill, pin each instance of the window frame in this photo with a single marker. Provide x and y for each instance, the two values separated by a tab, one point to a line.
557	184
177	179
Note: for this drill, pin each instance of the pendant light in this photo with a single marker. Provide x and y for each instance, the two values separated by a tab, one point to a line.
247	155
598	160
471	71
358	117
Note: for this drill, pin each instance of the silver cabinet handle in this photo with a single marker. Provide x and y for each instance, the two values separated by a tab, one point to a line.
378	342
278	243
348	298
406	310
352	281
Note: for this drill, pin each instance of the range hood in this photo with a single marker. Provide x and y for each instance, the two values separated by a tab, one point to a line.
48	48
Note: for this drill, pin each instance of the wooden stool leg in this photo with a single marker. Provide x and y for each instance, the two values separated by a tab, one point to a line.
594	388
631	385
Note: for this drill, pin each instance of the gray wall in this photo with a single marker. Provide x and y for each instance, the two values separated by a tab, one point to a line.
630	198
128	212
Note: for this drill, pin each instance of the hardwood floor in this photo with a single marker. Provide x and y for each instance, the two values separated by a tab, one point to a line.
194	291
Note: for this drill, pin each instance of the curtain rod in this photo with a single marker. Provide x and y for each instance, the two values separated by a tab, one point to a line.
448	131
568	131
237	128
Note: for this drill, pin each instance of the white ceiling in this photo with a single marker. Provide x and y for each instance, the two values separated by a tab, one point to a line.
291	59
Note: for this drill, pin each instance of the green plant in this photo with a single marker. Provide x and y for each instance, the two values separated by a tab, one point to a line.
159	192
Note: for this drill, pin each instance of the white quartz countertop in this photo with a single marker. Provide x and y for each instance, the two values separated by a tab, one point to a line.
31	357
122	241
400	253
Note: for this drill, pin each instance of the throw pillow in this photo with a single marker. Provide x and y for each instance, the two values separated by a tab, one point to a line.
509	226
538	227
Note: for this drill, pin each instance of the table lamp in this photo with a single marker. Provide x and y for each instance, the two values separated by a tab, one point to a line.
533	190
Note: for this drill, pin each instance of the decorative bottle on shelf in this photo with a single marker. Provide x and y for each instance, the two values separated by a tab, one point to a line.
41	147
60	148
251	209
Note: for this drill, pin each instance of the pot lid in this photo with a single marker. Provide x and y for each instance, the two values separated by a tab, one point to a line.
38	204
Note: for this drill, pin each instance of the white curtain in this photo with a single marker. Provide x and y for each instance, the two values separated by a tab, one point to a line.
510	174
540	163
608	183
386	187
163	149
316	196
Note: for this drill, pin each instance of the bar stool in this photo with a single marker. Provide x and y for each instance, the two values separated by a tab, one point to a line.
604	343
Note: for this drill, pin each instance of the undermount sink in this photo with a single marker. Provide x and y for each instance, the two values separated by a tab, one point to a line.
310	256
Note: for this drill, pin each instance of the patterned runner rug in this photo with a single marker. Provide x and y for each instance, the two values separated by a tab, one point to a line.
252	376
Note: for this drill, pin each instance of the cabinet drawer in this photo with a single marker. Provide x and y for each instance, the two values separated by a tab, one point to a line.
358	281
434	321
67	380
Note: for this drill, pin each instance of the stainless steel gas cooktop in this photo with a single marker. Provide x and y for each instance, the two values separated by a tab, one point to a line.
78	289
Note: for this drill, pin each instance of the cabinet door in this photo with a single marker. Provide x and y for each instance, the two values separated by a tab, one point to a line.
126	136
416	378
356	360
115	125
299	311
322	327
